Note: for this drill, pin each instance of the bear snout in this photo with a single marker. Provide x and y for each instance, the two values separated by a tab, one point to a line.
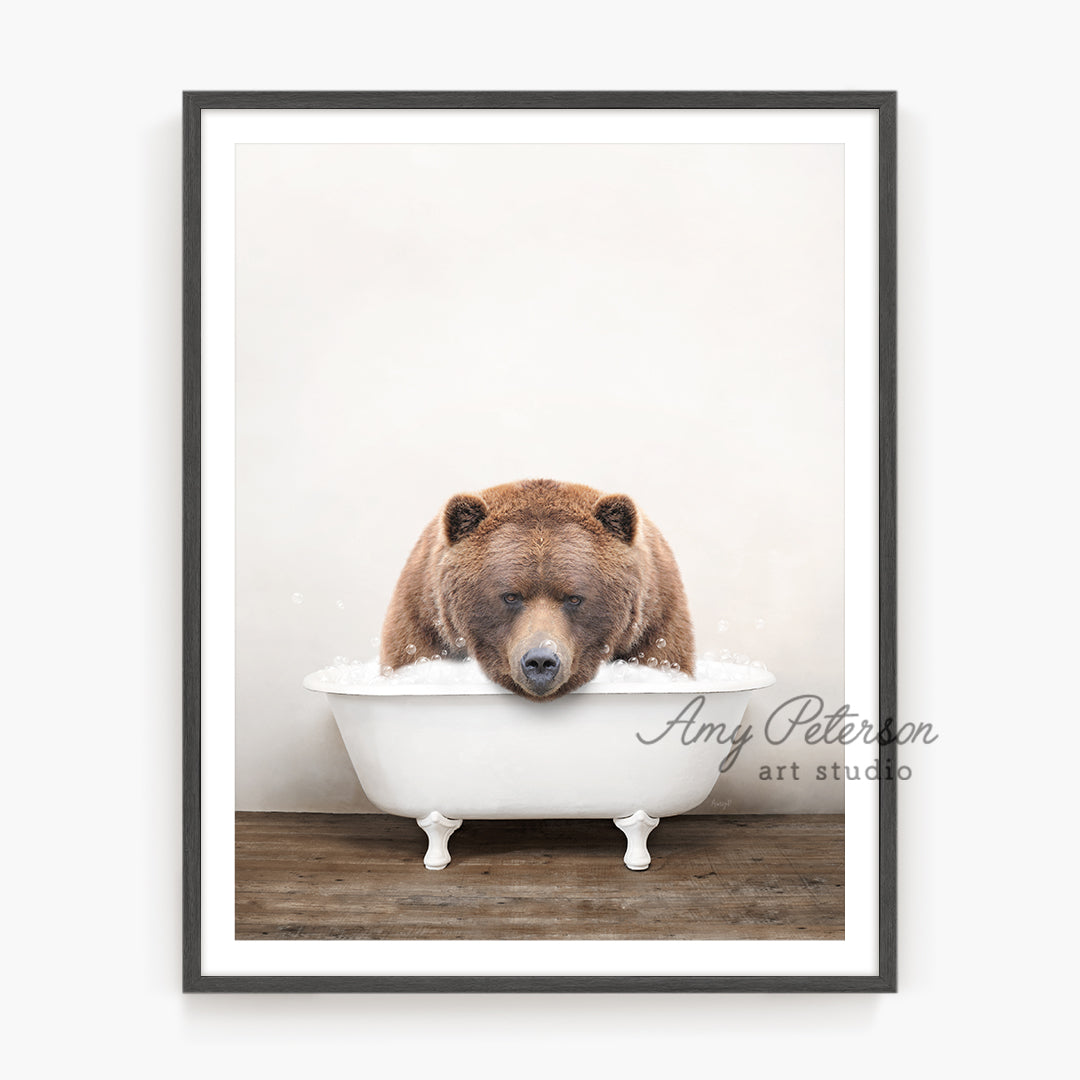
540	667
541	662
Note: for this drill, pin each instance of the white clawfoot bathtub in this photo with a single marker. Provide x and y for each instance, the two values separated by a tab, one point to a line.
631	751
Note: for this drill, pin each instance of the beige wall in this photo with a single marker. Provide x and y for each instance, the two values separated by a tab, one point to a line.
414	321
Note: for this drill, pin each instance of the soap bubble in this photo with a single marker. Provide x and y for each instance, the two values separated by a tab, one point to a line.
674	667
665	665
445	652
387	671
633	660
722	625
548	644
620	664
341	605
410	650
653	662
297	597
661	643
422	660
459	642
605	649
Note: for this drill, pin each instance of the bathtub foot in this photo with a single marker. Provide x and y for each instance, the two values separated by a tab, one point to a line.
637	828
438	829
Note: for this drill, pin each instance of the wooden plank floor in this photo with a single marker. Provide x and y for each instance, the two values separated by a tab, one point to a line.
349	876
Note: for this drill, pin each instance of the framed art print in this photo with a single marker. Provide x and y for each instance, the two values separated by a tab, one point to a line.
539	542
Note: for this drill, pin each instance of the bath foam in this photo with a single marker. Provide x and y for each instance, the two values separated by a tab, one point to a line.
467	677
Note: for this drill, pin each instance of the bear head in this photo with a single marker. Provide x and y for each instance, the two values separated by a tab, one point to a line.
544	581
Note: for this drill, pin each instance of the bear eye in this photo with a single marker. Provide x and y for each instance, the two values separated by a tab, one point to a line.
574	601
511	598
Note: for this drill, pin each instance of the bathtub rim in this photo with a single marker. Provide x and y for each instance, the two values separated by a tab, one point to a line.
758	681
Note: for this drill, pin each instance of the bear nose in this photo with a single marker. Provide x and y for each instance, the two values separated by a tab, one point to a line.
540	667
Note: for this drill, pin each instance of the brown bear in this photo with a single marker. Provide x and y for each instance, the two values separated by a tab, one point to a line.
541	582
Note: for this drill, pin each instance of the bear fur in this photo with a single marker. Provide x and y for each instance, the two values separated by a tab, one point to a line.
541	582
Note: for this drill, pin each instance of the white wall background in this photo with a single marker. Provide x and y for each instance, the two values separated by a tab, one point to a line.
91	548
412	321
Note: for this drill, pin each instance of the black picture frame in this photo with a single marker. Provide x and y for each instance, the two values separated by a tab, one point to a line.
195	103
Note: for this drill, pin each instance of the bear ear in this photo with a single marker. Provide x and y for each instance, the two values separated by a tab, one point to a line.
462	514
618	515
